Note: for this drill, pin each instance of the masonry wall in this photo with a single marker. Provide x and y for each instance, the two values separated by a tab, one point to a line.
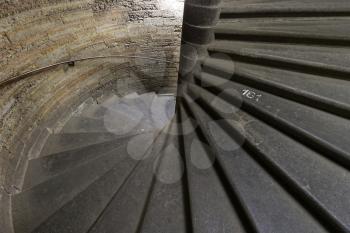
36	33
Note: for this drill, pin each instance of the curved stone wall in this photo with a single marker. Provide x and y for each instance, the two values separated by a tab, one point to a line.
35	33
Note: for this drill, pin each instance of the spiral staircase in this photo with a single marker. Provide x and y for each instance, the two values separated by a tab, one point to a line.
256	140
103	161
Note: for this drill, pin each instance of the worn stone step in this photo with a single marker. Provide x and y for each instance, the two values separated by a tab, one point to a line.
79	214
258	7
162	110
290	162
262	210
47	167
318	129
214	211
84	125
68	141
167	196
319	91
95	111
32	207
125	210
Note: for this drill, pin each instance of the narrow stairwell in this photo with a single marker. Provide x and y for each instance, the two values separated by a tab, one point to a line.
256	140
99	171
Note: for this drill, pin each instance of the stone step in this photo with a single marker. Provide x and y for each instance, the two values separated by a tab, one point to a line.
79	214
116	112
125	210
287	161
114	99
68	141
212	212
261	200
130	115
86	104
80	124
318	129
132	95
162	110
45	168
32	207
95	111
167	195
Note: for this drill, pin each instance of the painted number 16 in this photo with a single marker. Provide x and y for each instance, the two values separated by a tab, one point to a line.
251	95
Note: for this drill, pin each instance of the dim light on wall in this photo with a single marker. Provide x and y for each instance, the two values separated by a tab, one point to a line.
174	6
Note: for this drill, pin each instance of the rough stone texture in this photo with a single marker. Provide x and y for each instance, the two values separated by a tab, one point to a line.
36	33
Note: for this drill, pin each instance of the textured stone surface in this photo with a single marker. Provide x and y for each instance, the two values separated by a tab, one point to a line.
36	33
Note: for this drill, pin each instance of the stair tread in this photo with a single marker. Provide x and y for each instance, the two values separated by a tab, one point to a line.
126	121
93	111
266	208
125	209
301	166
68	141
316	58
117	112
162	110
79	124
266	6
314	125
132	95
33	206
147	99
110	101
44	168
326	91
86	104
167	197
214	211
79	214
328	28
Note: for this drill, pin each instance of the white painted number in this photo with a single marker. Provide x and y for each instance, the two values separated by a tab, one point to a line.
251	95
